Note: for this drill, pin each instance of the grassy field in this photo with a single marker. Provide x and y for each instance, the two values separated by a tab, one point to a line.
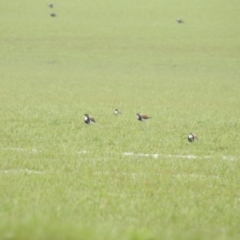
120	178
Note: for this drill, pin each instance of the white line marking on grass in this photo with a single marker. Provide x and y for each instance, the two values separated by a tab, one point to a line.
33	150
128	153
156	155
117	174
188	156
81	152
196	176
21	170
229	158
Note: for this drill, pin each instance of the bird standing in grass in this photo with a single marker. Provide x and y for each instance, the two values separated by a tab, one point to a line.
142	117
192	137
53	14
179	20
88	119
51	5
116	111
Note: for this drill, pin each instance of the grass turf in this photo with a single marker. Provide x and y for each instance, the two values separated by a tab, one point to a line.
63	179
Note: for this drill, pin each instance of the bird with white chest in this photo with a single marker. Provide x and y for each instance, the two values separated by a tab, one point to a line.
142	117
89	119
192	137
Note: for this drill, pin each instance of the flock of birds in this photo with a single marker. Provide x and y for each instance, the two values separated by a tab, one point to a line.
52	14
141	117
90	120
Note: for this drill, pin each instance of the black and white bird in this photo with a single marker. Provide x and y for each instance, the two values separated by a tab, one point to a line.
88	119
51	5
142	117
53	14
179	20
192	137
116	111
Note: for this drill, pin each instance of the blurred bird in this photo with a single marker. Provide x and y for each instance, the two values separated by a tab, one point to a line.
51	5
53	15
192	137
142	117
179	20
116	111
88	119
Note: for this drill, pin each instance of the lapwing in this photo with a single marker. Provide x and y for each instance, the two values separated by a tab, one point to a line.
116	111
142	117
51	5
192	137
53	14
88	119
179	20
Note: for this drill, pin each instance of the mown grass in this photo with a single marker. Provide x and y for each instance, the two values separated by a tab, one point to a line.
63	179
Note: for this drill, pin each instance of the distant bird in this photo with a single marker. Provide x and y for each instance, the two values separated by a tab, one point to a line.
51	5
116	111
53	15
179	20
192	137
142	117
88	119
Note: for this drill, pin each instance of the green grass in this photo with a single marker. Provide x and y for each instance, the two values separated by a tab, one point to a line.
63	179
